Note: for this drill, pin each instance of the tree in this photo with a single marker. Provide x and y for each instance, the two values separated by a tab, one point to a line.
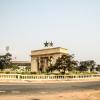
83	66
14	67
27	68
5	61
92	65
87	65
65	63
51	67
98	68
2	62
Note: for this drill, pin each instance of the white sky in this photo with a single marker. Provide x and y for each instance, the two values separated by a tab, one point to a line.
74	24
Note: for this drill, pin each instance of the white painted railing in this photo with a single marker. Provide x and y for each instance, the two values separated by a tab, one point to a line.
46	77
8	76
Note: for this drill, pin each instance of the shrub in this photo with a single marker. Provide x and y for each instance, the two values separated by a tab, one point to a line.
33	72
7	72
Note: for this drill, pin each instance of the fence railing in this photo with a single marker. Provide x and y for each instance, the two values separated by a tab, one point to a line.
46	77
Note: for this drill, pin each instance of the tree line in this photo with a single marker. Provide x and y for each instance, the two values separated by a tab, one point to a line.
63	64
67	63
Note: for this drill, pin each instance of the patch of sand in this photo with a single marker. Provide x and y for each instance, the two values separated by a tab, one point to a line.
83	95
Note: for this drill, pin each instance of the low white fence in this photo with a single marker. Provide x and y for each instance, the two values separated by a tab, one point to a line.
46	77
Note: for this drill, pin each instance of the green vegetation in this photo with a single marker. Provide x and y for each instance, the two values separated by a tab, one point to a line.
67	65
98	68
87	65
63	64
5	61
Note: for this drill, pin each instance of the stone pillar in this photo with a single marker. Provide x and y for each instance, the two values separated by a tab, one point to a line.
45	64
34	66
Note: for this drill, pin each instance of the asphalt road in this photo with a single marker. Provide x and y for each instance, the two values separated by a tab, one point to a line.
34	88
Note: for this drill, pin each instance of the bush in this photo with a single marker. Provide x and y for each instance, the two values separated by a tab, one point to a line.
33	72
7	72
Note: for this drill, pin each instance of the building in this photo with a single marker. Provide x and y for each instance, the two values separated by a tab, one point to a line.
21	64
41	59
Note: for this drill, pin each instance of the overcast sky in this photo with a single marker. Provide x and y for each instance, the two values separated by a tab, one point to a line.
73	24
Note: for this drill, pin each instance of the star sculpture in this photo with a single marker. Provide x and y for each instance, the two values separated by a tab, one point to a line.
51	44
46	44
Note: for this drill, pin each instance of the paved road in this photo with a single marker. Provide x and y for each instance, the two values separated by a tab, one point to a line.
28	88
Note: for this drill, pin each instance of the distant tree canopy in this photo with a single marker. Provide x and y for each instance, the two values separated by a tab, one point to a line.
67	63
64	63
5	61
87	65
98	68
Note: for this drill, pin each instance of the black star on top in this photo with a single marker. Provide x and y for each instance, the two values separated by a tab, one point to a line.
46	44
51	44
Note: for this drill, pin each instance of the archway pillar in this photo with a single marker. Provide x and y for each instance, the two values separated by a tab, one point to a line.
34	66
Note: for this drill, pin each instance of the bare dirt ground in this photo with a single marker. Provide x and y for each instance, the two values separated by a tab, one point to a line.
83	95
